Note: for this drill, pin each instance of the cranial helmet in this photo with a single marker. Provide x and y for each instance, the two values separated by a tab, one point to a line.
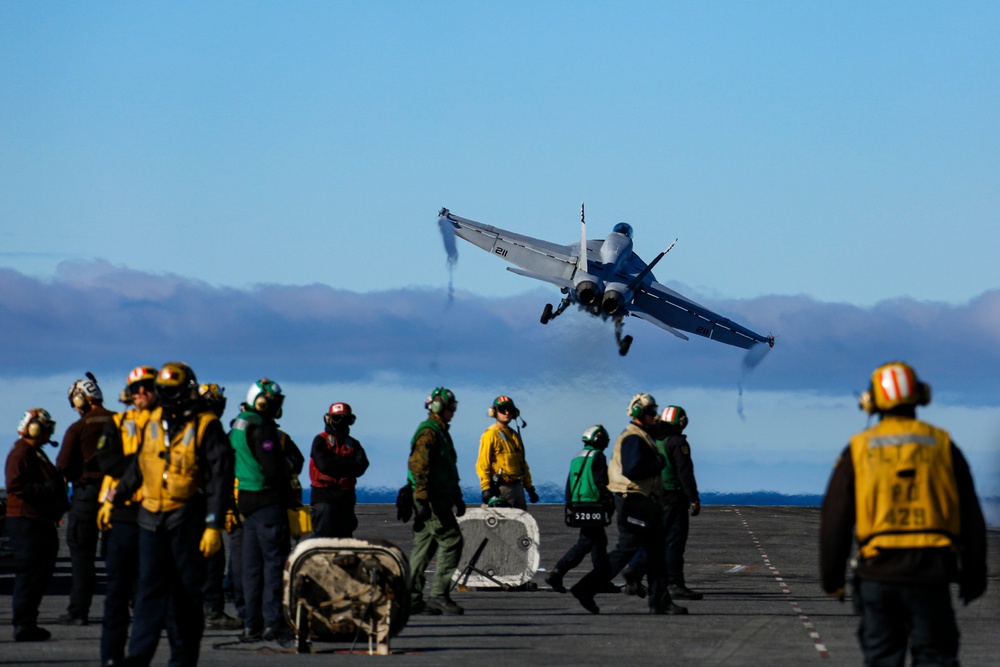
640	404
674	415
440	399
140	376
214	396
339	415
894	384
85	391
176	385
597	435
36	424
500	403
265	397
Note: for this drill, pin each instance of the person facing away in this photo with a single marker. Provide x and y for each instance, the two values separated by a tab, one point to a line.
77	461
905	491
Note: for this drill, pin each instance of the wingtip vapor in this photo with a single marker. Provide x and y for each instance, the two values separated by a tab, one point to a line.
605	279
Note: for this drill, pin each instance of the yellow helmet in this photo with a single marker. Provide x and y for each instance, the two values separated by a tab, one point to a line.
176	385
894	384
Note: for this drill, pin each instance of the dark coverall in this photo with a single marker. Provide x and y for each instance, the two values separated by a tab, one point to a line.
77	461
36	501
675	502
335	463
171	566
638	462
904	593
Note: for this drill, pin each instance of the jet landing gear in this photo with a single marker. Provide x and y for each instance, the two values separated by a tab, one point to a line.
549	314
623	343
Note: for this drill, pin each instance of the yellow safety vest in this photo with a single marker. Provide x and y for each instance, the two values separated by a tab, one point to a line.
650	487
170	475
501	452
132	426
904	487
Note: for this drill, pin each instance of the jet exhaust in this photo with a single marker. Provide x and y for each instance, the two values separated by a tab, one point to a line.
613	302
586	292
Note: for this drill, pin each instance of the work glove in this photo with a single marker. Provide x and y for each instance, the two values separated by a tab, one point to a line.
695	508
294	526
104	515
487	494
232	521
459	505
532	496
211	542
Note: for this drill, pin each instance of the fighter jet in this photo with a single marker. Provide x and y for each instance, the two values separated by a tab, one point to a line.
607	280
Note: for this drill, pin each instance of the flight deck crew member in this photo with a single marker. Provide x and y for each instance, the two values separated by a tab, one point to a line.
36	500
587	482
335	463
433	474
185	471
214	600
116	451
680	495
906	491
77	461
634	476
265	499
502	468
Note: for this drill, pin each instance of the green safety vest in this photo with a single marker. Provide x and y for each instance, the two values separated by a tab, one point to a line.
248	471
443	477
670	480
583	488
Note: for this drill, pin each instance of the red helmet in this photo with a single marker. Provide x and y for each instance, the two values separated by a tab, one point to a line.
339	414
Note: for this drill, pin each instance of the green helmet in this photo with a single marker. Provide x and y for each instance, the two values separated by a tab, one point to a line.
674	415
595	435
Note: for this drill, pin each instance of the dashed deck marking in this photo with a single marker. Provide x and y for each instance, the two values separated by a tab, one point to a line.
810	628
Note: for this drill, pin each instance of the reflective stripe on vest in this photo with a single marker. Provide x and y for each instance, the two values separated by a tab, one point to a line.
905	491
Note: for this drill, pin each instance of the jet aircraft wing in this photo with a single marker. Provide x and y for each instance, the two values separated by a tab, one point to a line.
539	259
670	310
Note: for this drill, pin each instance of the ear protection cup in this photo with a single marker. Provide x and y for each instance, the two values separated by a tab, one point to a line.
439	399
638	405
261	404
491	412
34	429
78	400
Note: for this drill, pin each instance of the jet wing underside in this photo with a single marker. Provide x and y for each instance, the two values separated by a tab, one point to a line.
540	259
667	307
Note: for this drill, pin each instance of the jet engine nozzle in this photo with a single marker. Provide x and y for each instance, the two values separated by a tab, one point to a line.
613	302
587	292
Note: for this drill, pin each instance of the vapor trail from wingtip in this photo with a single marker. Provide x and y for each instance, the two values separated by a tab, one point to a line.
450	247
751	360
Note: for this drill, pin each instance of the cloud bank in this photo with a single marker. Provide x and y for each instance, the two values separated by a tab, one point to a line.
99	316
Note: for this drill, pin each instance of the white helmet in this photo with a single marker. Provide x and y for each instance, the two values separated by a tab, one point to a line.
85	391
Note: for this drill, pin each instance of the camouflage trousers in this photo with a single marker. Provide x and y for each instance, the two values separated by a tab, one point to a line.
438	537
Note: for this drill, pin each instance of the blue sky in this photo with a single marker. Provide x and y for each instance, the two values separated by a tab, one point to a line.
253	188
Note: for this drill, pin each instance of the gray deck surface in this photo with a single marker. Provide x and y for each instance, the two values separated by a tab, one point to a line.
756	565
